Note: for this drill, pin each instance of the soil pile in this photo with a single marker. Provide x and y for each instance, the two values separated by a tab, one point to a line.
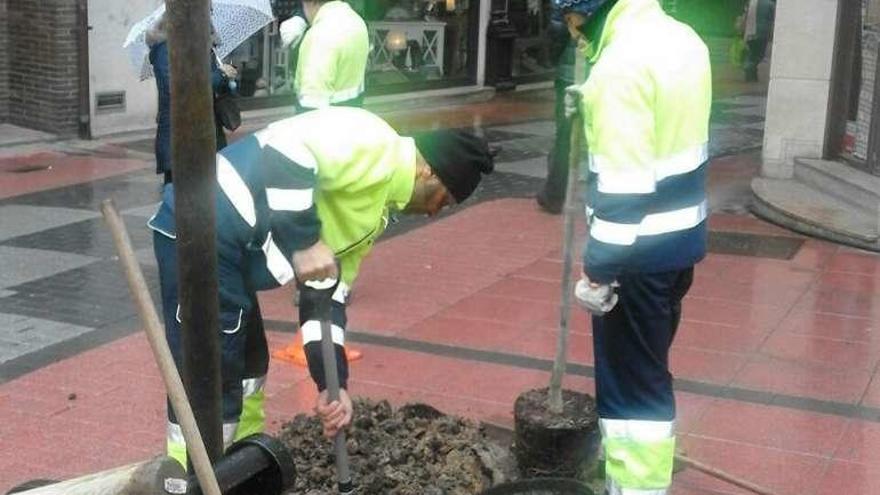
415	450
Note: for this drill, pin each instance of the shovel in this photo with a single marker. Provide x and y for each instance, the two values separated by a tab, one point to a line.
324	290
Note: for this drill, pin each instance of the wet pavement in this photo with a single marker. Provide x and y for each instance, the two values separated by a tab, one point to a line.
776	361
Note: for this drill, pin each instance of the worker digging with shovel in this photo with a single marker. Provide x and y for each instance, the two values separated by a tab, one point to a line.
293	199
645	109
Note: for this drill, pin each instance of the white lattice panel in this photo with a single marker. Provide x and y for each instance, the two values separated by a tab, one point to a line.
429	35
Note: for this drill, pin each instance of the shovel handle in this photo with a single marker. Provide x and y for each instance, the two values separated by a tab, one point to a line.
324	291
722	475
328	350
156	336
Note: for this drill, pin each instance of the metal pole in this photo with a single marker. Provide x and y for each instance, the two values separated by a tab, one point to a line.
82	50
193	157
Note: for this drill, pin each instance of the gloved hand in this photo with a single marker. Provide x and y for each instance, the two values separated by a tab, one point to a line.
292	31
572	101
597	299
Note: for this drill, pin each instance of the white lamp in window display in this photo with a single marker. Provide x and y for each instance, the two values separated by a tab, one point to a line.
396	43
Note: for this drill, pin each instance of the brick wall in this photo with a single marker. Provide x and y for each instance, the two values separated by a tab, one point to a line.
43	65
4	63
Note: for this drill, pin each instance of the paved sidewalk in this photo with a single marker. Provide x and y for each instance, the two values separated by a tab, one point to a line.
776	361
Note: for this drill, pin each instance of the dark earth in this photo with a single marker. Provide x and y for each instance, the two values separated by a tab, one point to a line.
414	450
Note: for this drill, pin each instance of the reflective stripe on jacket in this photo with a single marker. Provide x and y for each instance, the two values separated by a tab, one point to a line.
332	174
646	111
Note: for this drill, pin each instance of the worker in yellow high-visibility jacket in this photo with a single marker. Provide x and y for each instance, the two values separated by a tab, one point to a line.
333	54
645	109
294	199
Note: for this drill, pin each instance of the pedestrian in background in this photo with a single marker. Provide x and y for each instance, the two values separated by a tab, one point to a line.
757	30
221	76
562	54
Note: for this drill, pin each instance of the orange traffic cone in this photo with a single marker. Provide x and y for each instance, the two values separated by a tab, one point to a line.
296	354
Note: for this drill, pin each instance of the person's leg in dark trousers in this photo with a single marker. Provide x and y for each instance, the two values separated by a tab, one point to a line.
634	394
757	49
220	134
256	367
241	337
552	195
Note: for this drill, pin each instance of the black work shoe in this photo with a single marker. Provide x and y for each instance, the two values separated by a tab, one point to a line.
552	207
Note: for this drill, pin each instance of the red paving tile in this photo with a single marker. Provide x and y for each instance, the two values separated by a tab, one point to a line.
717	337
689	410
503	309
814	254
831	353
832	326
850	478
773	427
693	482
855	262
542	343
872	395
787	473
757	317
840	302
860	443
849	282
465	332
548	270
805	380
527	289
705	366
53	170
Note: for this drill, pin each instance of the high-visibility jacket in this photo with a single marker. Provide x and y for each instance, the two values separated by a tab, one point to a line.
365	171
334	174
332	57
646	111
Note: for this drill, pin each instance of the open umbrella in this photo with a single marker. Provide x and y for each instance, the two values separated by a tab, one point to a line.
234	21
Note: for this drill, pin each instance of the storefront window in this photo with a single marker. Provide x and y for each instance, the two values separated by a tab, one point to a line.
420	43
414	44
531	49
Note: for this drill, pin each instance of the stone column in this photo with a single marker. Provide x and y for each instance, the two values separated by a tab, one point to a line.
800	83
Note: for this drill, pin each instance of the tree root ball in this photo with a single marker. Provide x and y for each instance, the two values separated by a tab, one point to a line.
562	445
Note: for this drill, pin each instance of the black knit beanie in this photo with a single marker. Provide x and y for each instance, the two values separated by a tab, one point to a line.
459	159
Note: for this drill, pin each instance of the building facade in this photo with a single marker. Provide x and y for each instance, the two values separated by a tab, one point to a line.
821	156
63	69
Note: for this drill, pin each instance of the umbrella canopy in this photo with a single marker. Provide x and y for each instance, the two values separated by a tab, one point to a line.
234	21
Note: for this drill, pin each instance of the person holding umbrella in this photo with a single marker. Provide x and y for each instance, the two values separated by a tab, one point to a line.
293	199
232	22
645	108
221	76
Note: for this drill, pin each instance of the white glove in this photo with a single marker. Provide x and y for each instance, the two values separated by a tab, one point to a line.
597	300
572	101
292	31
